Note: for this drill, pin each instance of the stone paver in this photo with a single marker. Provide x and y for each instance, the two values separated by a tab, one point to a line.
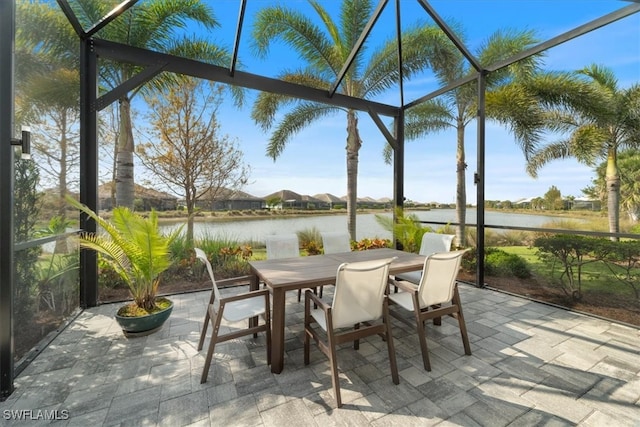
532	364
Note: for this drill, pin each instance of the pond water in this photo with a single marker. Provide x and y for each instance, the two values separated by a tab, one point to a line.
255	229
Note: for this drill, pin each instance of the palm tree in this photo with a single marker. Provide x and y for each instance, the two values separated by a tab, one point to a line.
326	49
458	107
629	171
154	25
595	119
48	91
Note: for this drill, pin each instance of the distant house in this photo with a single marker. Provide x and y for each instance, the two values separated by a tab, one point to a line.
226	199
370	202
145	198
584	203
331	200
287	199
524	203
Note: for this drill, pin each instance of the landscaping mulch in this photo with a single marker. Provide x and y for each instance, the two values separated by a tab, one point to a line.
622	308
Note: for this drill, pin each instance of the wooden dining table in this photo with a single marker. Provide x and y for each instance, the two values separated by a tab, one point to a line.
287	274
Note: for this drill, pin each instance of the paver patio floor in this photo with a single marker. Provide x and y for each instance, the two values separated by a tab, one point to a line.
532	364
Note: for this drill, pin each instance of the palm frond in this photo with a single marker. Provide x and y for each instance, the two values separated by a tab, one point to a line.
553	151
294	121
133	246
268	104
296	30
431	116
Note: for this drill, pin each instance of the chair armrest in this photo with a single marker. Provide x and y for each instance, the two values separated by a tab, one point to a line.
404	285
316	299
245	295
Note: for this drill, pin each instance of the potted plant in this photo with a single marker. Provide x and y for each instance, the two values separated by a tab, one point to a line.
136	249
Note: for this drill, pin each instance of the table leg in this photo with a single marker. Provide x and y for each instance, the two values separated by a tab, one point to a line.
254	285
277	331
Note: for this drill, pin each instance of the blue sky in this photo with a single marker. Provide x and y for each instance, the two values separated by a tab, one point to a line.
314	161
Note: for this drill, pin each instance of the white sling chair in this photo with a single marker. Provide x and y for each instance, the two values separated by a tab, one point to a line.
335	242
236	308
430	244
283	246
359	299
436	295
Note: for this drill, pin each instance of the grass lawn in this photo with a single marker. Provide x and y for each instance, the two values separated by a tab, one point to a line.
595	276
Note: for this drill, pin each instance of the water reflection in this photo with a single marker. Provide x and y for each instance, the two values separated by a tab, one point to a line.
255	229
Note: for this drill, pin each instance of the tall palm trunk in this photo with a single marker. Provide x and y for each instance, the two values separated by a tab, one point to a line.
461	188
353	147
62	182
61	243
613	192
124	158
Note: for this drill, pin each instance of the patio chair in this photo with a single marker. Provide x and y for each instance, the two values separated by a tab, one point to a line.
430	244
283	246
334	242
359	299
245	306
435	296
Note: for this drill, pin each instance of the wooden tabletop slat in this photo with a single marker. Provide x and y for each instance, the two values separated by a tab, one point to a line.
316	270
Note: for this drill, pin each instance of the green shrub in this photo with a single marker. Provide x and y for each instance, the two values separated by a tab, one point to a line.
309	240
501	263
408	229
366	244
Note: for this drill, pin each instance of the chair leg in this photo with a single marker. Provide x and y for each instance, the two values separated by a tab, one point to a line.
390	347
212	344
307	333
461	322
333	361
204	329
356	343
437	321
422	337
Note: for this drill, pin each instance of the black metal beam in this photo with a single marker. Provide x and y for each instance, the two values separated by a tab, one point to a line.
7	35
72	18
383	129
131	84
88	168
236	44
115	12
450	86
451	35
572	34
479	179
190	67
400	61
358	46
398	169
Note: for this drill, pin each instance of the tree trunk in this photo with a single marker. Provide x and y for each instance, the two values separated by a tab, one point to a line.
62	184
353	147
61	243
613	193
461	188
190	204
124	159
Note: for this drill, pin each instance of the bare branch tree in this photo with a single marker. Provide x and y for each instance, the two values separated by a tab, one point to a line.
186	153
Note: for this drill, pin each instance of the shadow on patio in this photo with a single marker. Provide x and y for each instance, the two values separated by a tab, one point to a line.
532	364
